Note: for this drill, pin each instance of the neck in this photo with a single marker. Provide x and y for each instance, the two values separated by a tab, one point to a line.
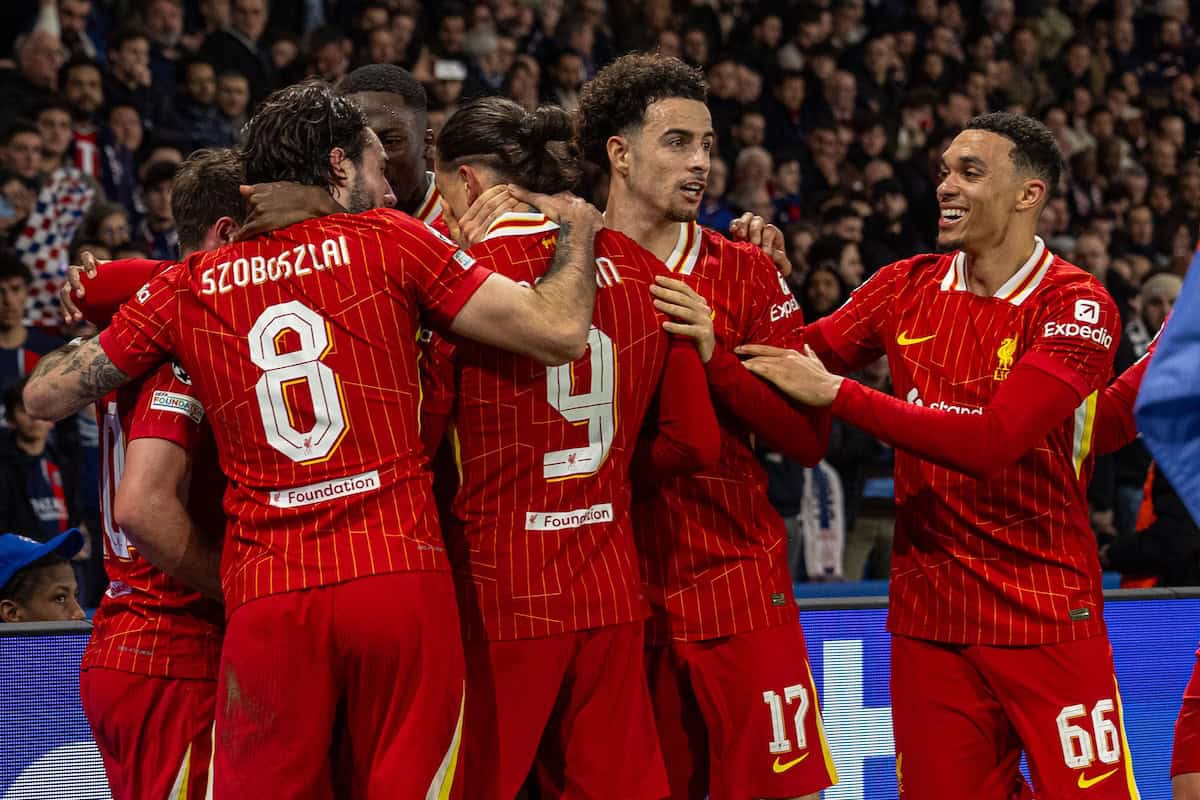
31	446
14	337
991	267
412	203
649	228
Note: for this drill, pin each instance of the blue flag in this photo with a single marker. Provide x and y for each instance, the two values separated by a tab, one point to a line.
1168	405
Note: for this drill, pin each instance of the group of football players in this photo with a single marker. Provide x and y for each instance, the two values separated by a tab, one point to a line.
588	592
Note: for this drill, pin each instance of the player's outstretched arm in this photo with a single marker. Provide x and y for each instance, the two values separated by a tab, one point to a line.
550	321
95	294
800	433
1029	405
70	378
150	508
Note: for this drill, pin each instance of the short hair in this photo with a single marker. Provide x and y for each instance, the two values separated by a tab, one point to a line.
159	172
75	63
15	129
206	189
1034	151
25	581
127	33
535	149
11	266
186	63
54	103
616	99
388	79
293	132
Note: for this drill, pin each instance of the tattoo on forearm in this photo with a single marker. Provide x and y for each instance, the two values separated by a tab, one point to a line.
562	250
97	375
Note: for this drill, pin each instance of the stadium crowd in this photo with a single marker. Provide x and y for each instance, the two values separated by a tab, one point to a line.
831	118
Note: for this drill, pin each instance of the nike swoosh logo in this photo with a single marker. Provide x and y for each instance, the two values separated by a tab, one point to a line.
1086	783
785	767
904	341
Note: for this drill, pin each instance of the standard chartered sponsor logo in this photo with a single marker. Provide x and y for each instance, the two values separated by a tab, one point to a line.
326	490
559	520
1098	335
914	397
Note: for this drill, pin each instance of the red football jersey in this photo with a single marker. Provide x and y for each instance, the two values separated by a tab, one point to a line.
302	345
1010	560
713	547
430	211
149	623
542	537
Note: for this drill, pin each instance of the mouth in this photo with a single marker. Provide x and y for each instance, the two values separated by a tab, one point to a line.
950	217
693	190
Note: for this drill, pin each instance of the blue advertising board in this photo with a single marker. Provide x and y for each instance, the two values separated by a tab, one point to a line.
46	749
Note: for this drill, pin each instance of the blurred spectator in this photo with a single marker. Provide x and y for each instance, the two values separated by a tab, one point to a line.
156	231
36	580
786	185
239	48
34	497
751	182
126	124
35	79
130	81
889	233
233	100
163	20
20	345
840	254
196	109
714	212
21	149
823	290
564	78
521	84
73	28
107	224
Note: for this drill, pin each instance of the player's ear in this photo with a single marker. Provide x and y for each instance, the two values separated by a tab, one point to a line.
9	611
474	185
1033	192
224	231
618	154
338	164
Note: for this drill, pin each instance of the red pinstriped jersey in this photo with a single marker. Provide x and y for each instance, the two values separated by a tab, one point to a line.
713	547
302	346
148	623
1010	560
542	538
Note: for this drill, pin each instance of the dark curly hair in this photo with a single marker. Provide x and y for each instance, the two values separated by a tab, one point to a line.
616	99
1035	151
291	134
531	149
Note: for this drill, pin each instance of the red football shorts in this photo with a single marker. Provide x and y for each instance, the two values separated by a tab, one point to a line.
962	714
574	707
1185	757
154	734
738	716
354	689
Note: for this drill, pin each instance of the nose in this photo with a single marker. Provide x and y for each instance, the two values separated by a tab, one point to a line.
75	611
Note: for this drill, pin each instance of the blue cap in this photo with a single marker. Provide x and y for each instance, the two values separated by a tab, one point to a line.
18	552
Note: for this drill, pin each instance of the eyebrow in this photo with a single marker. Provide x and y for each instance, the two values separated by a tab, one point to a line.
685	132
968	161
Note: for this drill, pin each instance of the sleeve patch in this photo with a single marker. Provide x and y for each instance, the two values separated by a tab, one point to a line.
464	260
183	404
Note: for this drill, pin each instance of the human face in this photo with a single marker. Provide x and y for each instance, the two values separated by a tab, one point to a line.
53	600
850	266
55	126
978	192
250	18
113	230
452	34
29	428
787	177
40	59
132	56
1141	225
158	201
823	291
284	52
791	93
367	185
73	15
217	14
381	48
84	90
233	95
14	292
202	83
752	130
401	131
164	21
127	126
669	157
1091	254
24	154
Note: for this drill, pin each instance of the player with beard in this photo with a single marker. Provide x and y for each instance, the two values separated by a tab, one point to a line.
1000	349
734	697
149	679
302	347
541	534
